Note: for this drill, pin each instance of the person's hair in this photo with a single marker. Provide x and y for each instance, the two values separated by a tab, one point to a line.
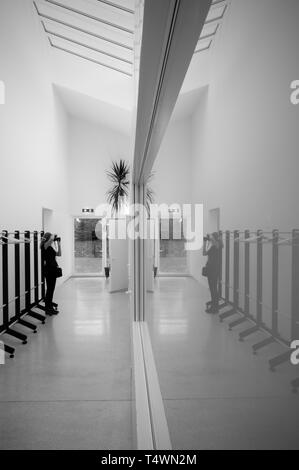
217	239
45	240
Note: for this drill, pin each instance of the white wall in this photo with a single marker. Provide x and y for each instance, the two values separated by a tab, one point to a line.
245	134
92	80
92	150
33	126
245	137
172	168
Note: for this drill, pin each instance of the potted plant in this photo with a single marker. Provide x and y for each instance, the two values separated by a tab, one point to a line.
117	195
119	192
149	194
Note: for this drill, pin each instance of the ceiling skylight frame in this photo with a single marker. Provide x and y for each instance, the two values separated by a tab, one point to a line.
81	30
119	7
217	20
89	16
89	59
79	43
204	48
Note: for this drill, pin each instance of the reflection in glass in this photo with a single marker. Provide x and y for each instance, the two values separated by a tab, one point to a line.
173	256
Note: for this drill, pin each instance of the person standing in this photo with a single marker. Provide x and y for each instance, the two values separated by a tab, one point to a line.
211	248
50	265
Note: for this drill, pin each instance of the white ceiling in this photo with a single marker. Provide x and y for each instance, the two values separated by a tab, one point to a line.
97	31
101	32
99	93
87	108
90	109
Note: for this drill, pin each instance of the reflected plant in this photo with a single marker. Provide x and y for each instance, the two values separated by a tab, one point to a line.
150	194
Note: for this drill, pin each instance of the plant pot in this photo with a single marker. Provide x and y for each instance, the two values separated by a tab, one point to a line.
107	272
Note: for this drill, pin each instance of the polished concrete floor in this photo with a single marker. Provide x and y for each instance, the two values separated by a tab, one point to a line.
173	264
90	265
217	394
70	387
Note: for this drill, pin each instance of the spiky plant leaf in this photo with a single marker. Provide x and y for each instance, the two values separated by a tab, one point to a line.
150	194
119	176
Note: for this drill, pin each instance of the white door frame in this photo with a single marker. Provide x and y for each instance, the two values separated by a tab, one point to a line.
104	249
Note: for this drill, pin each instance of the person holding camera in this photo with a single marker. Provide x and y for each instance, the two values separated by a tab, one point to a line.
51	269
211	248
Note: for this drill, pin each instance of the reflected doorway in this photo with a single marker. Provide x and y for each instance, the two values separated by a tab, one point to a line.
214	220
172	252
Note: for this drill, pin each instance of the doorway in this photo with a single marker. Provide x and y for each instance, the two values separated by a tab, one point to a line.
90	247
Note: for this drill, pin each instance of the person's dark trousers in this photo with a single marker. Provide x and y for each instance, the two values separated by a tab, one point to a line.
213	285
51	283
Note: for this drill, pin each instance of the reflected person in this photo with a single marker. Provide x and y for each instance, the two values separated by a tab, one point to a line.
211	248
